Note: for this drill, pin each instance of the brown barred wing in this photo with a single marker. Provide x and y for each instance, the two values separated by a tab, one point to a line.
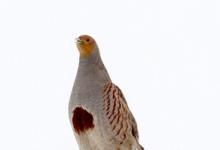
121	121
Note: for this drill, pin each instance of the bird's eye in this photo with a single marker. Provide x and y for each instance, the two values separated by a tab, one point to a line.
87	40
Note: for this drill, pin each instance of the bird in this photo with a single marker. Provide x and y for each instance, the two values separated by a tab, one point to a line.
98	111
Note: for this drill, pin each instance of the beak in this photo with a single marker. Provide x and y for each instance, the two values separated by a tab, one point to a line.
78	41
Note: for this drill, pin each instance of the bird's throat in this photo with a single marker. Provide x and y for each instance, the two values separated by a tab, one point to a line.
85	51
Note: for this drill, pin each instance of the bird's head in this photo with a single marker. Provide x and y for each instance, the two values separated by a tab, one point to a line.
86	45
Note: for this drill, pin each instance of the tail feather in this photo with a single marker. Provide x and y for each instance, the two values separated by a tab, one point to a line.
141	147
138	147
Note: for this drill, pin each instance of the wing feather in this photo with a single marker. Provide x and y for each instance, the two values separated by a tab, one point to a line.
120	119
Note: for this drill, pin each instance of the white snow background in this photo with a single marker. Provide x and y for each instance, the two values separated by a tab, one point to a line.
163	54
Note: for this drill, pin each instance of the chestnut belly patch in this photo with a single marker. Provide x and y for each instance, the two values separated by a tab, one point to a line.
82	120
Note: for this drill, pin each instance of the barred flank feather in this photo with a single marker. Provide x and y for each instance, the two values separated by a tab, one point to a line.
120	119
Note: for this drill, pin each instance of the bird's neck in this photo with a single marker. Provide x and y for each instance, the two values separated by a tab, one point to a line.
93	66
91	59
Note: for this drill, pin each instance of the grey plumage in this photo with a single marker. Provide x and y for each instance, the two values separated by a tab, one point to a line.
102	119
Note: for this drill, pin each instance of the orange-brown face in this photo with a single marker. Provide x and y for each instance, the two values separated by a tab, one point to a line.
86	44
